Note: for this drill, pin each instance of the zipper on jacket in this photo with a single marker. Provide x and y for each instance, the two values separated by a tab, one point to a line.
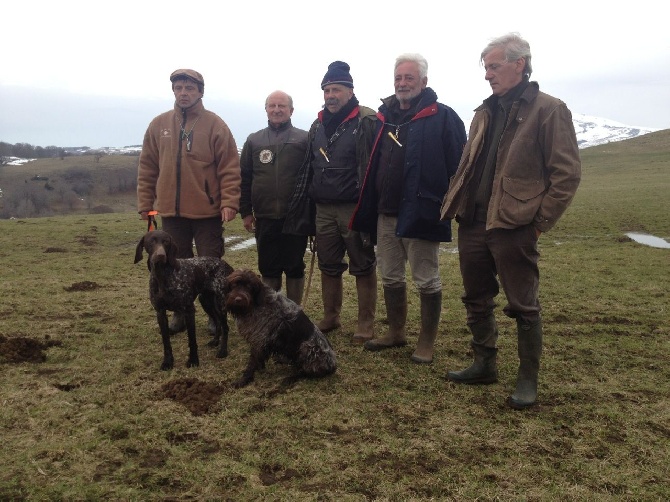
211	200
178	189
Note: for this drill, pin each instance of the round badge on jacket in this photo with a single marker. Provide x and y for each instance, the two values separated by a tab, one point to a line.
265	156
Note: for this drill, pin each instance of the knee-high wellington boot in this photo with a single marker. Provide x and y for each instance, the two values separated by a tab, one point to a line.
484	369
331	293
530	350
431	307
396	313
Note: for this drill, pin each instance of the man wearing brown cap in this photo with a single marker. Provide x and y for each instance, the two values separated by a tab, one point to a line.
189	171
339	145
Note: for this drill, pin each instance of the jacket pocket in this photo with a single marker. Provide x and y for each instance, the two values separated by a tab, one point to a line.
520	200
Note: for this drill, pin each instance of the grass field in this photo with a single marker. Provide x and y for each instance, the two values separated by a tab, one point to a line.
86	414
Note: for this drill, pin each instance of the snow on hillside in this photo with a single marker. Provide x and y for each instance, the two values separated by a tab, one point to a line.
591	131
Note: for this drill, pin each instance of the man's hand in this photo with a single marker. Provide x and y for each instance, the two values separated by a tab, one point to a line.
228	214
249	223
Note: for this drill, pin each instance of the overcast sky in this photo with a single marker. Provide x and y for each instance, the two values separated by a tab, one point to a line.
94	73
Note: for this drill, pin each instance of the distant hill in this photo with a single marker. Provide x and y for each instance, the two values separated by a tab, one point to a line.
592	131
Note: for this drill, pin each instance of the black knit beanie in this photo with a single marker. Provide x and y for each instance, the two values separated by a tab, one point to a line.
338	73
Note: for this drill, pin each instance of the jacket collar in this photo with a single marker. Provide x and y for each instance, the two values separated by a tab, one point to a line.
196	109
528	95
426	104
346	113
281	127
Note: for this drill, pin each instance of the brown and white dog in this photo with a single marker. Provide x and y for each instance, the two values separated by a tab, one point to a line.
174	284
275	326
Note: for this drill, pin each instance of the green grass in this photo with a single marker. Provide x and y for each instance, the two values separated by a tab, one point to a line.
92	421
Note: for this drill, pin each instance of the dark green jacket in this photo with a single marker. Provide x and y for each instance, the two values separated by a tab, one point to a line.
270	162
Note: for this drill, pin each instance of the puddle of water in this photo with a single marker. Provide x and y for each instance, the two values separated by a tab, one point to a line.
649	240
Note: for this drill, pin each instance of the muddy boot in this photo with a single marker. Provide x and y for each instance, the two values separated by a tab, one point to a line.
331	293
484	369
396	313
431	307
530	349
273	282
177	324
366	288
294	288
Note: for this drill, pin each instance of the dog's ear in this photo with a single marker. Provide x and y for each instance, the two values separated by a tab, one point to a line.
138	250
258	287
171	252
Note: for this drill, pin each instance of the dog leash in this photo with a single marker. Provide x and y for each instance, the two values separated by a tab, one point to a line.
312	248
151	221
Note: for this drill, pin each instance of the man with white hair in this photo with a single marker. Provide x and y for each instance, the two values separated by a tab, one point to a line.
519	172
417	148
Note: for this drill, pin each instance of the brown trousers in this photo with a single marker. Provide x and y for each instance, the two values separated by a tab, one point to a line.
207	234
510	256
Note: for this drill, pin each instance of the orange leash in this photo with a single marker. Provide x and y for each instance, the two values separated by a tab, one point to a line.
151	223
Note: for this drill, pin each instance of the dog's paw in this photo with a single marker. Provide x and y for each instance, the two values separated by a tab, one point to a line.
167	365
193	363
221	353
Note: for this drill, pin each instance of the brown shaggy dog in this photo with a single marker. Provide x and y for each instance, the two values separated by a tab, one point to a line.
275	326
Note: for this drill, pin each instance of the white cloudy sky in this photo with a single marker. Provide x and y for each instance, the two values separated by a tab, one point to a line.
94	73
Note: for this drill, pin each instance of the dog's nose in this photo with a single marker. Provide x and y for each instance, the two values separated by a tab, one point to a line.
159	256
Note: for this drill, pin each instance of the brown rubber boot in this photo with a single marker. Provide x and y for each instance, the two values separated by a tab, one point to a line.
295	288
396	313
431	307
331	293
530	350
366	288
484	369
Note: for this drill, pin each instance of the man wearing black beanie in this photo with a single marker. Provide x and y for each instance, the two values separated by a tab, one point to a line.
339	145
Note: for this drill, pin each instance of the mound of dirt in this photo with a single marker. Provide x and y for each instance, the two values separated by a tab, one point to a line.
21	349
199	397
82	286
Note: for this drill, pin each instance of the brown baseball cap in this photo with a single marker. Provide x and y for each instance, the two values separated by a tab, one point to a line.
188	74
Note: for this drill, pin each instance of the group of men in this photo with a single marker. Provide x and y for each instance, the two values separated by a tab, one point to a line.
381	189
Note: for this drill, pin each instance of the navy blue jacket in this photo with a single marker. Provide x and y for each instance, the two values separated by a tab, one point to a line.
434	145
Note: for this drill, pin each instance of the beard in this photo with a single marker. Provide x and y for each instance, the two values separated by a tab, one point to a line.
407	96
